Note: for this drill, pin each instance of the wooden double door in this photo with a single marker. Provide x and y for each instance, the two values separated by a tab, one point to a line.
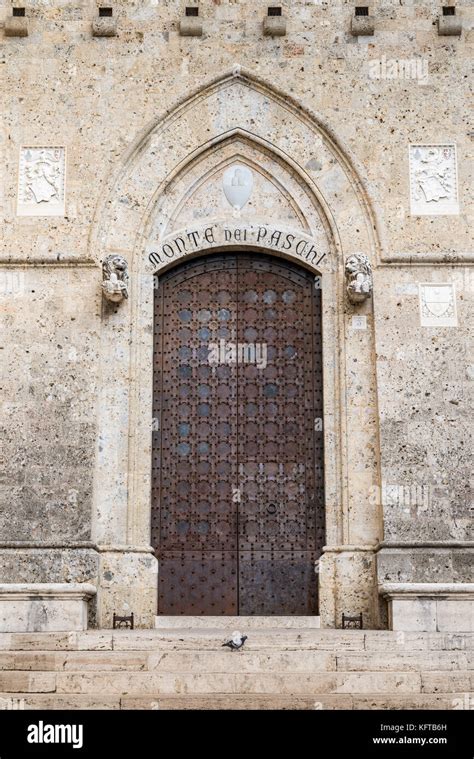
237	493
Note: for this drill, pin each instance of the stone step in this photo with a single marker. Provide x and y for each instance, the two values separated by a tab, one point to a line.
170	661
246	660
156	702
237	623
324	702
258	640
401	661
382	641
19	701
275	683
279	668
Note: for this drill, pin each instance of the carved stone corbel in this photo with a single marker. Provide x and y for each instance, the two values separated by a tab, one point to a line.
115	278
358	273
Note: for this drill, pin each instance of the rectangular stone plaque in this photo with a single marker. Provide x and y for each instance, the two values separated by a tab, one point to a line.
359	322
41	181
438	305
433	180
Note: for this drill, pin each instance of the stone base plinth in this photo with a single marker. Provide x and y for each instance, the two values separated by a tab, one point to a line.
348	585
44	607
128	583
430	607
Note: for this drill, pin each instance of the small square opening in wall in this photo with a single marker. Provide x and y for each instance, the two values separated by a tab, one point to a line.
19	12
105	12
449	10
192	11
274	10
362	10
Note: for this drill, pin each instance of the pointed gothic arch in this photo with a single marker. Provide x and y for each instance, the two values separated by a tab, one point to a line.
149	199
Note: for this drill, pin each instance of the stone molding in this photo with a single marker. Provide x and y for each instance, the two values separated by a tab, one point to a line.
429	607
427	589
31	590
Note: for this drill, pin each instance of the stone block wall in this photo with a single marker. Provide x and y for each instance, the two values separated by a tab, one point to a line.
94	98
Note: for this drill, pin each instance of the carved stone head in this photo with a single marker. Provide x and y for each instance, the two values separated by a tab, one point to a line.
358	277
115	278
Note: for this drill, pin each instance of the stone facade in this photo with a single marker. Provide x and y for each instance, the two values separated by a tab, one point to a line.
348	145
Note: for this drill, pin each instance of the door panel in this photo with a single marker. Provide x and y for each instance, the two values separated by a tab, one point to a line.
194	522
277	404
237	502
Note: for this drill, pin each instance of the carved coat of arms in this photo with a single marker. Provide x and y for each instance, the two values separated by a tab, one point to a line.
438	305
238	185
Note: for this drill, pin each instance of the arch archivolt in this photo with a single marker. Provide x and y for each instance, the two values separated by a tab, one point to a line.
308	203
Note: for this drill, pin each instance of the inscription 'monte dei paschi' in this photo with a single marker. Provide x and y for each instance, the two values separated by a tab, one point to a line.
188	241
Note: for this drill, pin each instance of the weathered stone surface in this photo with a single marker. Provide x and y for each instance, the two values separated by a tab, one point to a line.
190	27
37	607
31	661
418	641
316	119
16	27
135	683
229	622
104	660
23	682
96	640
362	26
59	701
282	673
274	26
257	703
443	607
265	638
248	661
438	682
90	640
449	26
408	662
104	27
424	702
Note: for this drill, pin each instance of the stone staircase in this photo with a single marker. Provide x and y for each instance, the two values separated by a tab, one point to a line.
181	665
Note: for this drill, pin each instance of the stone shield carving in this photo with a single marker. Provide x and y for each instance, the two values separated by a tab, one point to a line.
41	181
433	179
358	277
438	305
115	278
238	185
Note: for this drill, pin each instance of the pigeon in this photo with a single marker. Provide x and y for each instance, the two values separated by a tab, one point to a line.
236	642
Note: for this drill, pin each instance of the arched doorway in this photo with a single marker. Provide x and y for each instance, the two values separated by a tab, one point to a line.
238	468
